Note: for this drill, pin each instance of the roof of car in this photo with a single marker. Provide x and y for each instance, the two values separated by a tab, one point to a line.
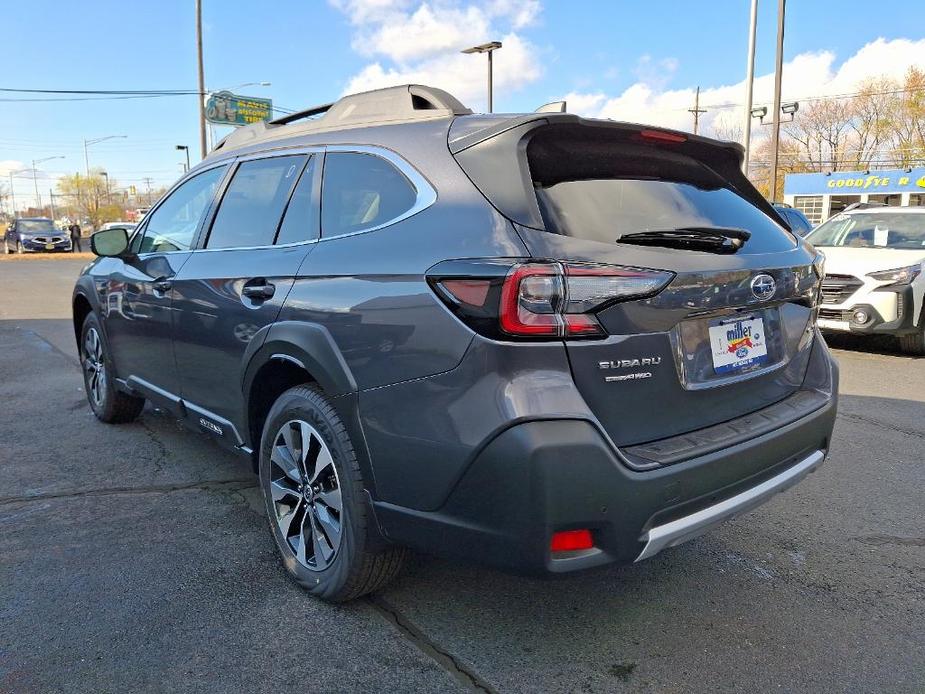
403	105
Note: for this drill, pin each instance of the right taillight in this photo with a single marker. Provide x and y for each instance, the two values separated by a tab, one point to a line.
543	299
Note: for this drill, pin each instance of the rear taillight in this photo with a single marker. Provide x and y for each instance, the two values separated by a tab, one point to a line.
543	299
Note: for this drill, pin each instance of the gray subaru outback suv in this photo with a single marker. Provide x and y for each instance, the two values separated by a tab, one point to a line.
537	341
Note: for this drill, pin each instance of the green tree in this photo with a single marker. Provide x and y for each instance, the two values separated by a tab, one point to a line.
90	197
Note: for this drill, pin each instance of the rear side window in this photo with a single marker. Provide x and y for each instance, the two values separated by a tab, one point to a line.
253	203
174	223
361	191
301	220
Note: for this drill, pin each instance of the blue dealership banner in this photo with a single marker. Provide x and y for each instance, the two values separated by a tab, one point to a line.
856	182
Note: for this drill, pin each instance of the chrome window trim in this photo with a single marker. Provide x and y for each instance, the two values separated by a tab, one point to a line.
425	196
142	226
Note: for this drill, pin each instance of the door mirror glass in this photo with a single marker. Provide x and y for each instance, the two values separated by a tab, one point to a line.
110	243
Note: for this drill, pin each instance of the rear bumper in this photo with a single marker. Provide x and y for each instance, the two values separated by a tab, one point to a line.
541	477
687	527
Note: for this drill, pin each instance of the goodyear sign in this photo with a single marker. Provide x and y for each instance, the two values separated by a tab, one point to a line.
225	108
856	182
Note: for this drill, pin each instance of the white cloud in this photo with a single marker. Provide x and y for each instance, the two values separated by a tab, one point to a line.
7	166
806	75
420	42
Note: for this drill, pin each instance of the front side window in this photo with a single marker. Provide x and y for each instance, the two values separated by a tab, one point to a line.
362	191
172	226
253	203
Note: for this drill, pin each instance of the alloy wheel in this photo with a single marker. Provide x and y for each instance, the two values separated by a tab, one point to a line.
306	494
95	367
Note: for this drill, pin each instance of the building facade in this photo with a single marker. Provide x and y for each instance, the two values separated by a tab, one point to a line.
821	195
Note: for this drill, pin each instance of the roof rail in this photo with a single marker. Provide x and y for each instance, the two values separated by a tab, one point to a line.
392	105
304	113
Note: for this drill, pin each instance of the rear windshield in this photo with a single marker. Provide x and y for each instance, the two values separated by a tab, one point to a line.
606	209
878	230
593	185
35	225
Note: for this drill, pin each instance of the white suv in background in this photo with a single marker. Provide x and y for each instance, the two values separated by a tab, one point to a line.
873	273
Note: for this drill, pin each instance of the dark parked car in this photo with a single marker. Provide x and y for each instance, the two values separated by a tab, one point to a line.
538	341
799	223
31	234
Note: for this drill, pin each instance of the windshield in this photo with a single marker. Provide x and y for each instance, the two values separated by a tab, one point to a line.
35	226
872	230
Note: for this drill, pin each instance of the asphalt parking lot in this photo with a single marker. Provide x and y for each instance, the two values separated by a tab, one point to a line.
137	558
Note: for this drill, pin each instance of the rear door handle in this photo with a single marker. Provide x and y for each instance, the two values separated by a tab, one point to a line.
162	285
261	292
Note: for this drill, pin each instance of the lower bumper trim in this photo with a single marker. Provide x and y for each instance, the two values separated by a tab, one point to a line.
674	533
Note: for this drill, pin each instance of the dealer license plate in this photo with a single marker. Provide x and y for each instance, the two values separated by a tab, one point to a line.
738	344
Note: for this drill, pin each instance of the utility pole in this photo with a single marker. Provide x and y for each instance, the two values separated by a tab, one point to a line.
202	81
778	75
51	195
147	182
749	83
697	111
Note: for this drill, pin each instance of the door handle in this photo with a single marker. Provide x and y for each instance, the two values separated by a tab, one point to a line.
162	285
260	292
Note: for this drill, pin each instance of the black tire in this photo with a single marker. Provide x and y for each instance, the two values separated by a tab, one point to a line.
352	570
914	344
19	247
109	404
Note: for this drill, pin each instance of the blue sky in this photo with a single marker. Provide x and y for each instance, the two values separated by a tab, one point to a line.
638	58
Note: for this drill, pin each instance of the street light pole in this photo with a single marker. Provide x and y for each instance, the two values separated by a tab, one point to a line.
94	141
12	195
749	83
38	198
487	48
202	81
778	75
185	148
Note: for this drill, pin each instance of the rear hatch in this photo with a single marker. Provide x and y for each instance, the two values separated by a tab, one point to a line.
729	335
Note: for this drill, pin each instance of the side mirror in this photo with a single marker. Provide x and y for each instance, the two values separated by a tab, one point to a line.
110	243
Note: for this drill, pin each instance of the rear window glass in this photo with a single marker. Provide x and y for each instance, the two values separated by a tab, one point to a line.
598	185
606	209
361	191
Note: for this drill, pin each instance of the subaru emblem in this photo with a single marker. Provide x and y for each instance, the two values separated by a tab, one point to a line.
763	287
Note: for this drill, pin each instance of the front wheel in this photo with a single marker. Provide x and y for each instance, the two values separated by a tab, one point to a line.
108	404
914	344
314	497
19	248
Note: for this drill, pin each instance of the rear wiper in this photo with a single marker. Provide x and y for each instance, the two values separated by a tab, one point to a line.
710	239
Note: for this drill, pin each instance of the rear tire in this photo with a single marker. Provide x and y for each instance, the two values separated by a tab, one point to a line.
315	500
108	404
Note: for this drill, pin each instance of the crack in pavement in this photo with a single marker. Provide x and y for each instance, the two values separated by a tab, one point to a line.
885	425
232	485
446	660
878	540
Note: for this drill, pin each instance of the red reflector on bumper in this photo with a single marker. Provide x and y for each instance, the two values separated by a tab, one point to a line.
570	540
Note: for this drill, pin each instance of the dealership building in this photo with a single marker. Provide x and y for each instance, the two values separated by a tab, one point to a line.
821	195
